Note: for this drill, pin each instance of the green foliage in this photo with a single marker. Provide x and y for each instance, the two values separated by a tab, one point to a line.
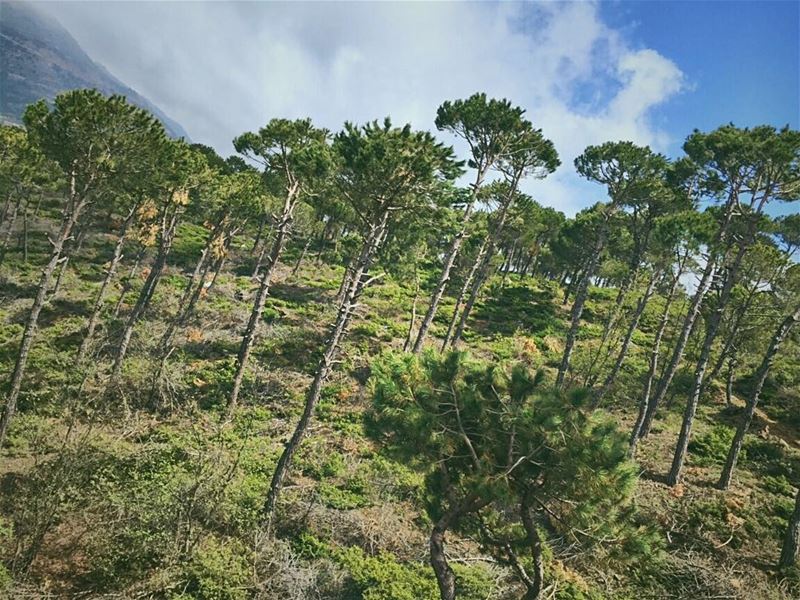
216	572
712	446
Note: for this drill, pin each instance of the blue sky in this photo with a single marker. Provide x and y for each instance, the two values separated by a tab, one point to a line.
741	59
586	72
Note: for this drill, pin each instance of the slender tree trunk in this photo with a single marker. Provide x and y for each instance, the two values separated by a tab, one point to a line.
609	326
10	231
791	541
282	234
463	292
736	322
449	261
445	577
302	256
25	233
761	376
413	321
574	280
714	321
374	239
480	270
127	284
72	213
79	237
689	321
654	358
168	230
218	269
507	270
580	298
729	381
535	544
261	224
626	343
187	302
100	298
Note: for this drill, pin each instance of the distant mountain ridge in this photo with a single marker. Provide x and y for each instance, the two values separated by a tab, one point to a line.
40	59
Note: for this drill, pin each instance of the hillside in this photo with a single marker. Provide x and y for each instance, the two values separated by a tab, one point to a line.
40	59
330	378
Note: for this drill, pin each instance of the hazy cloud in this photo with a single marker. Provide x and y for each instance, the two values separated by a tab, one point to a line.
226	67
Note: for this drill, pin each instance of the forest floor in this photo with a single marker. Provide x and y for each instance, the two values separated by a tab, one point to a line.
113	506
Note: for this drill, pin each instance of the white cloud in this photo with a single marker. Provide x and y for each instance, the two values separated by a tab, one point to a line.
223	68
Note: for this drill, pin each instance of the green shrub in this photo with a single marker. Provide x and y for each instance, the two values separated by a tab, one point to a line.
216	571
711	447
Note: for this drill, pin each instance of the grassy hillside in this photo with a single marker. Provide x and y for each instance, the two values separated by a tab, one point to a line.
164	502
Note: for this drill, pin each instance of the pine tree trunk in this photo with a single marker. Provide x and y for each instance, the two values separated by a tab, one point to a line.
168	230
72	213
302	256
127	285
761	376
284	228
678	350
187	302
10	231
480	270
714	321
413	320
449	261
116	257
791	541
463	292
632	327
608	327
25	233
535	544
688	324
729	381
372	243
654	358
445	577
581	296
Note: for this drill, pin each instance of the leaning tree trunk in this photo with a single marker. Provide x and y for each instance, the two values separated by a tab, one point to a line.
654	358
608	327
535	545
580	299
449	261
761	376
77	203
116	257
463	292
79	237
168	230
445	577
413	321
187	302
282	234
791	541
688	323
373	241
193	289
712	329
10	231
481	267
303	253
728	344
626	343
679	348
128	281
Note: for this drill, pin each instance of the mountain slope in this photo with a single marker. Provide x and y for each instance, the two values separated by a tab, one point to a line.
39	59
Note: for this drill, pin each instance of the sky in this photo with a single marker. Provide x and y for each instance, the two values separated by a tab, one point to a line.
586	72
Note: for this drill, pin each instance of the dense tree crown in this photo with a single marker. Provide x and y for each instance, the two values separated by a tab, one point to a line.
325	367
